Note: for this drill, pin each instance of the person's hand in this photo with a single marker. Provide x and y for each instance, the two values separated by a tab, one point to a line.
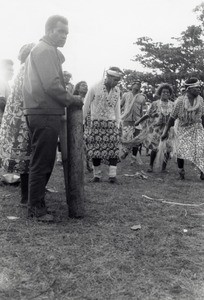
78	101
120	129
164	136
155	115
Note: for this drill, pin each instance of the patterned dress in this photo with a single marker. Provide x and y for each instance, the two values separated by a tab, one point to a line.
190	133
14	139
102	134
4	94
159	113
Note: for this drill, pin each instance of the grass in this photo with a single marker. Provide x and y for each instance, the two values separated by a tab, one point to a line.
100	257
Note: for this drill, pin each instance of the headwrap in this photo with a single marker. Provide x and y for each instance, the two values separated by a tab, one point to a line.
25	51
192	82
114	73
136	81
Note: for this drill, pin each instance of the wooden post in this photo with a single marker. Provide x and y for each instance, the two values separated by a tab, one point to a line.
73	161
63	146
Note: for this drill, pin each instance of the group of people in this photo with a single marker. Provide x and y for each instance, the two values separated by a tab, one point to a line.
174	128
114	126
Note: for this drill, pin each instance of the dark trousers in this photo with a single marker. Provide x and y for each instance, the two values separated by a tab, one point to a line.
44	132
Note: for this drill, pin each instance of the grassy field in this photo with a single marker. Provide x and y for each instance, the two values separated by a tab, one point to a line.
101	257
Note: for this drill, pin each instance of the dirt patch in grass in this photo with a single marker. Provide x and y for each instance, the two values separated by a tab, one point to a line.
100	257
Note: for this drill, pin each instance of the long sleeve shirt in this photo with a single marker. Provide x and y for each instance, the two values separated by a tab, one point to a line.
103	105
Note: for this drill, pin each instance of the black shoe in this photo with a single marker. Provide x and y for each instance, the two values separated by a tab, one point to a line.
45	219
201	175
24	202
95	179
80	217
164	171
23	205
150	169
182	174
40	214
113	180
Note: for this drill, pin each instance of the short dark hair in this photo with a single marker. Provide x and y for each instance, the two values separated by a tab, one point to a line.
164	86
52	21
77	86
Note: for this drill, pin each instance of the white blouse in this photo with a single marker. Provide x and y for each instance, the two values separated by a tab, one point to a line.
103	105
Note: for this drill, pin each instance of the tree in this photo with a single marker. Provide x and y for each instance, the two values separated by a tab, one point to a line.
176	61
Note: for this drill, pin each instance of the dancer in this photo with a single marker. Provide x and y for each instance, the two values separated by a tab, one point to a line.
102	137
189	111
134	103
157	117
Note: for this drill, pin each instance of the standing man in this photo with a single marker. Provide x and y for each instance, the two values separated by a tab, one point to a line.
102	137
45	99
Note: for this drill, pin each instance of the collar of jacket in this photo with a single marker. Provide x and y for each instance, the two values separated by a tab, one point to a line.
50	42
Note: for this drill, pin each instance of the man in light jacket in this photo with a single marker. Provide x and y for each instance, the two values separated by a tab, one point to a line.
45	99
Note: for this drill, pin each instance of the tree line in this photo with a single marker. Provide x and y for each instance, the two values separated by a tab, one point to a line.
172	62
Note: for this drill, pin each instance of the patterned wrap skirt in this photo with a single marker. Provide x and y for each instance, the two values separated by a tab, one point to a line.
102	140
190	144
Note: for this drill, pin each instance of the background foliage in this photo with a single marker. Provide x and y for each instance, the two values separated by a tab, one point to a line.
173	62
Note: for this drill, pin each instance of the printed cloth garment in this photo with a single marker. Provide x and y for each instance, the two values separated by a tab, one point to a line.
159	113
102	140
189	143
126	102
152	129
14	137
186	114
129	133
132	113
134	108
4	94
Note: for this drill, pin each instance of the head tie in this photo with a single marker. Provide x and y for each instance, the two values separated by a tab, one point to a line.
114	73
192	84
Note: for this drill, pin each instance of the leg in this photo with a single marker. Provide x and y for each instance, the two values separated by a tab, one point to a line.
112	170
153	155
166	158
134	151
96	169
180	163
44	132
24	188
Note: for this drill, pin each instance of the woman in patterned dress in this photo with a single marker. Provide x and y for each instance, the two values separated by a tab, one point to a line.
156	119
14	137
102	136
189	111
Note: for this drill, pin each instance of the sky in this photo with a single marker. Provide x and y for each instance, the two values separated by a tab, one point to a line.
101	32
